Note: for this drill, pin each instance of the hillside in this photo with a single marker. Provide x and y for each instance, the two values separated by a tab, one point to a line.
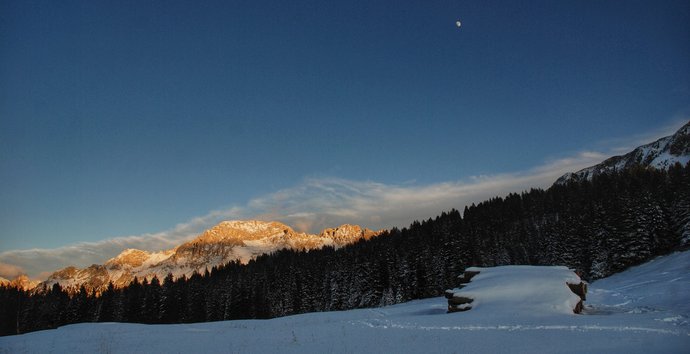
660	154
624	314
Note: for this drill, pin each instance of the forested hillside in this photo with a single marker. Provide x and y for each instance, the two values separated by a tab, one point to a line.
599	227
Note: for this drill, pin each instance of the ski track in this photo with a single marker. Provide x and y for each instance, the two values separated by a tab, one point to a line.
513	328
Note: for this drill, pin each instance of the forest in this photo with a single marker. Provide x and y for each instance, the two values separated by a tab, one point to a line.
599	227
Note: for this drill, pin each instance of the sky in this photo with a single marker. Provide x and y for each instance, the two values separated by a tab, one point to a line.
140	124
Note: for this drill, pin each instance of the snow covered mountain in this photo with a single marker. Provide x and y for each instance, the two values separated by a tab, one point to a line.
20	282
660	154
225	242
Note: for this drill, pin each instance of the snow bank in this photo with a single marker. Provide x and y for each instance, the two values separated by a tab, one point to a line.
523	290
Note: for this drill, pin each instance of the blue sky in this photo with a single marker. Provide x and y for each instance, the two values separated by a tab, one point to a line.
152	120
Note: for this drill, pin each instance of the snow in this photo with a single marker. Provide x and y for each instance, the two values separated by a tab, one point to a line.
156	258
642	310
521	289
659	286
252	226
666	159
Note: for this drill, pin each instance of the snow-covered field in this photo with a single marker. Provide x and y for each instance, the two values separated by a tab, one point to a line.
643	310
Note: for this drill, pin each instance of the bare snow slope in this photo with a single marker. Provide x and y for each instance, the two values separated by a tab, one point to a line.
643	310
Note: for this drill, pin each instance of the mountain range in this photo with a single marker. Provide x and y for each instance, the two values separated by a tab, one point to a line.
228	241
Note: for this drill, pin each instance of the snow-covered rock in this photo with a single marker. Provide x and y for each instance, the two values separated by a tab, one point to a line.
344	234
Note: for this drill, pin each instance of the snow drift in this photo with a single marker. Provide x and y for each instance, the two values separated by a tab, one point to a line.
533	290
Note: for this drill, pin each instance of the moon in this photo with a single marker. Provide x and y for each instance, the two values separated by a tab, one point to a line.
458	23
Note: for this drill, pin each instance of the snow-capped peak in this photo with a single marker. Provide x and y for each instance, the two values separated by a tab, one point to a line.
660	154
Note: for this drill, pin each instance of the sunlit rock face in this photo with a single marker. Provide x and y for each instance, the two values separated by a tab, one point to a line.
21	282
225	242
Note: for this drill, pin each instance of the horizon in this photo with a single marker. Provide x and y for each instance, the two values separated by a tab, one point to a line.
490	187
141	125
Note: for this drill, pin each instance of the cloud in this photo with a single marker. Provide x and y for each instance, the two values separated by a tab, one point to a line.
10	271
322	202
40	263
624	145
317	203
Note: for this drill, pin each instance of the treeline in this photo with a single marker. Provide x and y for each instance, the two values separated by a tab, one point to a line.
599	227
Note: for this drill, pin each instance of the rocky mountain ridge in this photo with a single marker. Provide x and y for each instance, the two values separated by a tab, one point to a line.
21	282
660	154
225	242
